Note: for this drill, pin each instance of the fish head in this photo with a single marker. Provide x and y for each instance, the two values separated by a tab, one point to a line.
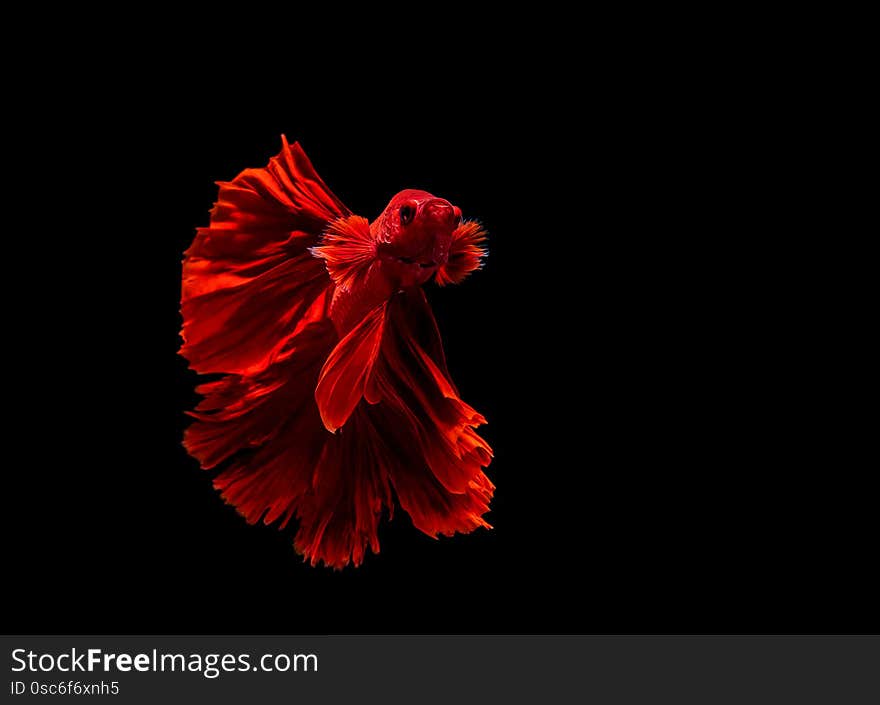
414	234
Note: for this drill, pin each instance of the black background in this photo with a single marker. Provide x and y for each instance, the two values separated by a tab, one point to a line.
656	462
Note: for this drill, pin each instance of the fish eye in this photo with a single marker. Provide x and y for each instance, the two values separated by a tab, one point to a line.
407	213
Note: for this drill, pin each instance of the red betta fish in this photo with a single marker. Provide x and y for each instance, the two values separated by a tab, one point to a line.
335	389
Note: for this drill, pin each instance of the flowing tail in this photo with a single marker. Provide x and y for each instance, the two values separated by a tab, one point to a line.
255	305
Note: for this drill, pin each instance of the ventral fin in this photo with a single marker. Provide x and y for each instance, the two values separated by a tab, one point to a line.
345	377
